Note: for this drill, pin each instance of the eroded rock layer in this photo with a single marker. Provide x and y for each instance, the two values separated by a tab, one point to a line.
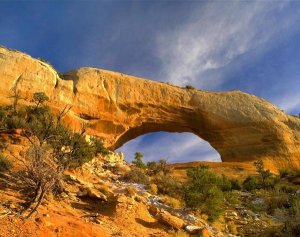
118	108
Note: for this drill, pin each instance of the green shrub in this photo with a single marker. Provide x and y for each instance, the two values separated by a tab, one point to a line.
213	203
226	184
232	197
172	202
293	225
267	181
137	175
168	185
275	200
99	146
5	164
284	173
250	183
138	160
203	191
81	151
14	122
39	98
159	167
236	184
71	149
296	205
190	87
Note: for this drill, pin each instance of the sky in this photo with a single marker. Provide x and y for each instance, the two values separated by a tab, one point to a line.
252	46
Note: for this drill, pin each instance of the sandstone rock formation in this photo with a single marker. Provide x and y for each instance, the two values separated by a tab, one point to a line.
241	127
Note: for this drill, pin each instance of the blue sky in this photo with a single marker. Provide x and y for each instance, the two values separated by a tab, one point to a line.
251	46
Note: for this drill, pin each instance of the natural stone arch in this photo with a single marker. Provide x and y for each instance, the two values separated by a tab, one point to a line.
240	126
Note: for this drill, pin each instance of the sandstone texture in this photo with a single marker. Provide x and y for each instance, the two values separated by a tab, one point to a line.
118	108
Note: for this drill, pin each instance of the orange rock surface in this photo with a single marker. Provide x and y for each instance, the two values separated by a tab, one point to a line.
118	108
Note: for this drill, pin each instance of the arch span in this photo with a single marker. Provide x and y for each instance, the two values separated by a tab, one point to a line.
118	107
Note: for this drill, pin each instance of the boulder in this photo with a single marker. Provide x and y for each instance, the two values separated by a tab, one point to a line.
172	221
191	229
91	193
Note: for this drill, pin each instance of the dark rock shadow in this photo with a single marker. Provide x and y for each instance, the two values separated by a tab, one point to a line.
147	224
94	206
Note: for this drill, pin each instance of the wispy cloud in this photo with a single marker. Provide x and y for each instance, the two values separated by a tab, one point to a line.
175	147
289	102
215	35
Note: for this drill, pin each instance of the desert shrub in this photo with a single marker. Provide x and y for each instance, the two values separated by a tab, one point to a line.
14	122
99	146
226	184
273	231
293	225
53	148
287	189
232	197
203	191
136	176
80	151
172	202
236	184
294	175
151	167
138	160
189	87
39	98
40	177
275	200
257	207
168	185
159	167
296	205
250	183
267	181
284	173
5	163
153	188
213	205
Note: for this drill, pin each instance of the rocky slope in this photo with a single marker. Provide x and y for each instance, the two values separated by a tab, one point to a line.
118	108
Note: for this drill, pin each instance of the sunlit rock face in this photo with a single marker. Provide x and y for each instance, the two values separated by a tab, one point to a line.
118	108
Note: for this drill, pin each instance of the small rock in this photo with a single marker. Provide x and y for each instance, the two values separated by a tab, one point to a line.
191	229
91	193
205	233
232	213
153	209
97	221
48	224
171	220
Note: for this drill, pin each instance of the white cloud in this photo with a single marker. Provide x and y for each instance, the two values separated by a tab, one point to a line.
175	147
289	102
215	35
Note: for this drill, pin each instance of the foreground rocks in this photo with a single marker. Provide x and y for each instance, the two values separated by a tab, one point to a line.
241	127
171	220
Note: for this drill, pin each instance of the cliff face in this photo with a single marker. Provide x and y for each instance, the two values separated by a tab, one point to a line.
118	108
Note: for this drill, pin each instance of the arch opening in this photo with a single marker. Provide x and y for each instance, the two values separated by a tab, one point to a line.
173	146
